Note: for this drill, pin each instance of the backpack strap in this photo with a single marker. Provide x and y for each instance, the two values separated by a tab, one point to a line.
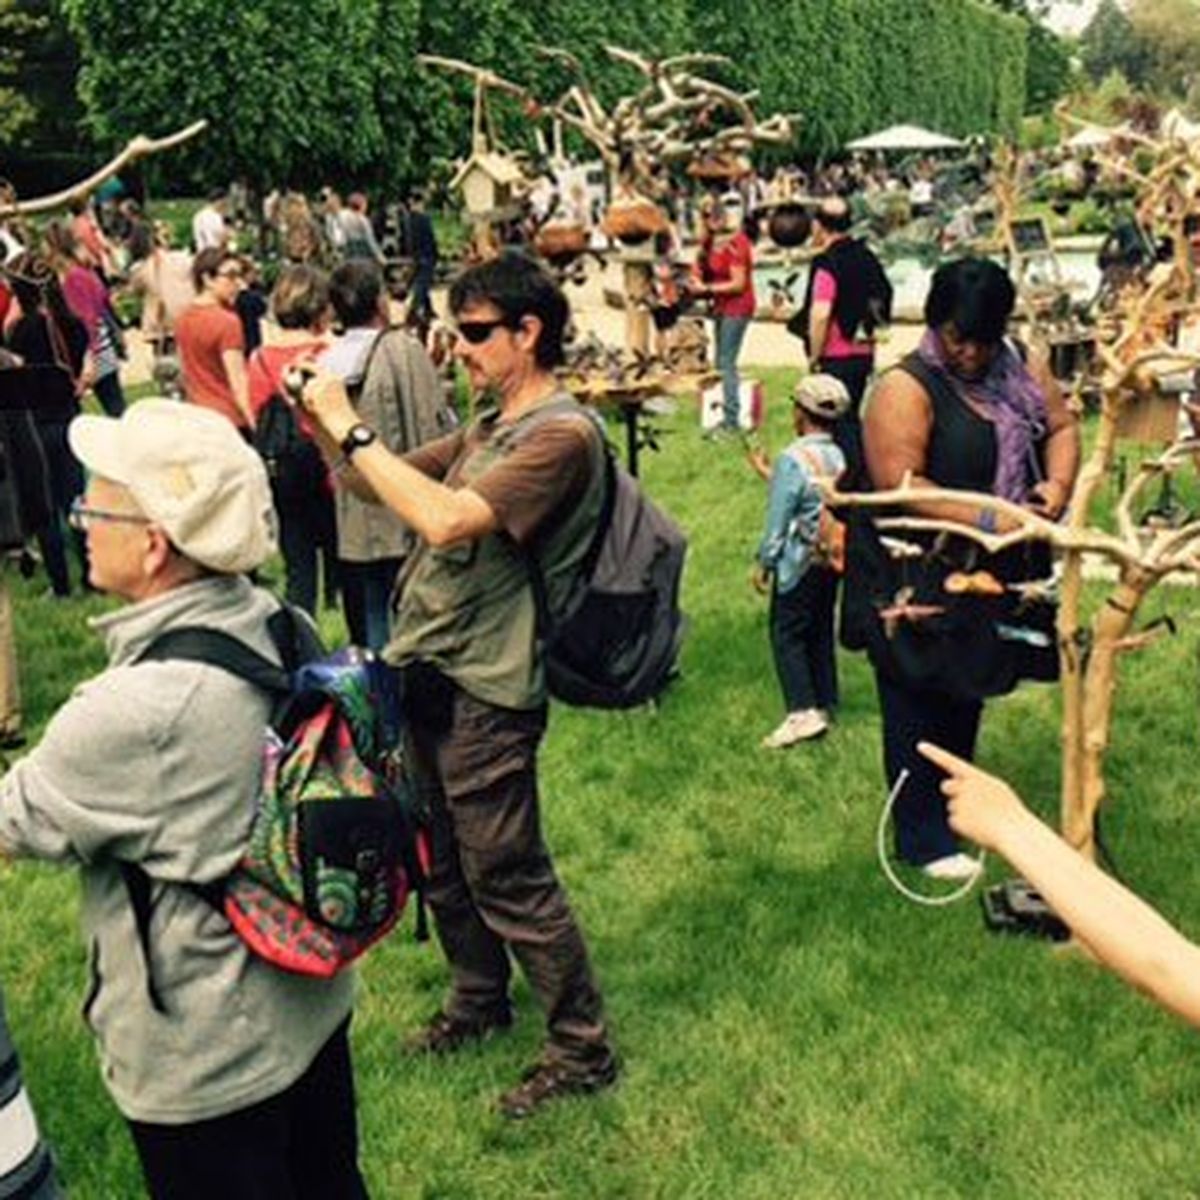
193	643
294	638
555	410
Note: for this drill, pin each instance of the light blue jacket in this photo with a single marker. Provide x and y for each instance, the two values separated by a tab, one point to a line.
794	507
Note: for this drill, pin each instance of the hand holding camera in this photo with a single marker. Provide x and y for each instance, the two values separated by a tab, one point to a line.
323	396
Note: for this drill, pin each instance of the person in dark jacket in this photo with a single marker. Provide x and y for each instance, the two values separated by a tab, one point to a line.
48	334
422	245
847	299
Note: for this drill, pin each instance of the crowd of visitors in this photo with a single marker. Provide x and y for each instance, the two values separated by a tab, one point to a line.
331	440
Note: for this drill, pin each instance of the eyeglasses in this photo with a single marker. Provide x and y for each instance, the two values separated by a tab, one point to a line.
80	516
478	332
230	273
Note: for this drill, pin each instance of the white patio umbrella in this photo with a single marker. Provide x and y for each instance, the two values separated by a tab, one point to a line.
1176	125
905	137
1091	137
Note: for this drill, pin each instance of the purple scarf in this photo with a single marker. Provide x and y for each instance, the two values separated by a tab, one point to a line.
1009	397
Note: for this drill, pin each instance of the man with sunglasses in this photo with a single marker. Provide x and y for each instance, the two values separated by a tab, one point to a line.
525	477
234	1077
210	341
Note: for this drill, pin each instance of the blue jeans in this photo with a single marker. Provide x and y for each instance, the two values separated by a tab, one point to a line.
366	596
731	332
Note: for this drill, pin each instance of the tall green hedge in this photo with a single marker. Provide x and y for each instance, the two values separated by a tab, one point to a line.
330	89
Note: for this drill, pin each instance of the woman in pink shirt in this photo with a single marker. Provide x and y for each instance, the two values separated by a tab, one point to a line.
88	299
724	271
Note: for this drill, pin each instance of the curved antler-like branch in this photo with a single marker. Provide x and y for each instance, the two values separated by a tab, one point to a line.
1029	526
137	147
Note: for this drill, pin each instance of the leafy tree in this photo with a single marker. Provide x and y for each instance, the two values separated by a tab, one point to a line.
1048	58
1111	43
297	93
289	89
1169	32
17	112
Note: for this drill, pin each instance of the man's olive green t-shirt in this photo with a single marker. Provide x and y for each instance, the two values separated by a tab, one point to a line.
468	608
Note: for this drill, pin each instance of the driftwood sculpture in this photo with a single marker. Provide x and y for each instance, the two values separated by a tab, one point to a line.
677	116
138	147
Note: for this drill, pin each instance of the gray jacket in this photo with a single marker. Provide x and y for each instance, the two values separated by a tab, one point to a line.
158	763
401	399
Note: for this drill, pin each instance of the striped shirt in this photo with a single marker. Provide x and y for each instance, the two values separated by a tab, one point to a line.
26	1169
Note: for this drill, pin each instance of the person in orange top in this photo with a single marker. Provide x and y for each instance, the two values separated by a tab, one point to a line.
210	342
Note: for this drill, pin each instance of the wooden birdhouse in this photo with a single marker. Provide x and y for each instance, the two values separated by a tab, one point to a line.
488	182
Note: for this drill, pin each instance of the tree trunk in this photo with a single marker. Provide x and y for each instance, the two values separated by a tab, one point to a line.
1111	623
1072	648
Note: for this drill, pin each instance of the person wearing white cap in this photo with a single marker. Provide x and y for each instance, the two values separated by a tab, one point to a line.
234	1077
793	566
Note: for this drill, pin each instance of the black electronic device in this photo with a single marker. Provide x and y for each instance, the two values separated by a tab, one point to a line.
1016	906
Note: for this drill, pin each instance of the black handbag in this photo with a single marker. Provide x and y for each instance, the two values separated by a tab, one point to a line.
962	644
25	503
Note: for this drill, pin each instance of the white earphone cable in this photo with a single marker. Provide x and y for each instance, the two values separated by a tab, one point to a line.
889	871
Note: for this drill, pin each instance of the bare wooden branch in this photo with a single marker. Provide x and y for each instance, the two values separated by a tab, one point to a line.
136	148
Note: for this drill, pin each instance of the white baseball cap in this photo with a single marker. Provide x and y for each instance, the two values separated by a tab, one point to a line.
191	473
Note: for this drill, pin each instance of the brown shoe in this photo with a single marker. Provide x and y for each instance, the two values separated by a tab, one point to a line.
544	1082
445	1034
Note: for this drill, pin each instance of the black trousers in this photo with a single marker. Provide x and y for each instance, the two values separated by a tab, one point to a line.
854	372
802	641
307	535
66	483
299	1145
909	716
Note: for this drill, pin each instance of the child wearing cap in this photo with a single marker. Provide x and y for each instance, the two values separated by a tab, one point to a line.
790	566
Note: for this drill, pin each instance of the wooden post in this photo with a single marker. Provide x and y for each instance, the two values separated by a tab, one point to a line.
637	276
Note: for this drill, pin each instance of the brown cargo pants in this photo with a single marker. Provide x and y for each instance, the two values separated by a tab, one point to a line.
492	886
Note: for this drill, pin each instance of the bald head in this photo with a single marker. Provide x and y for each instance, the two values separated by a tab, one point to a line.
833	214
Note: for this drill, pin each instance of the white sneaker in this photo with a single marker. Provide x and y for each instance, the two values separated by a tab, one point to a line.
954	866
799	726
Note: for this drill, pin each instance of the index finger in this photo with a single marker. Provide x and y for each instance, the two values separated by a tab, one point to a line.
950	763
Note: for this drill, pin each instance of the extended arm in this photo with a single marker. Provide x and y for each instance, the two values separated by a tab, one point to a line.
1119	928
819	317
438	514
820	314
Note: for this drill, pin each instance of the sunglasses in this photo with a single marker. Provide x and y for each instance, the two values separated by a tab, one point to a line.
478	332
81	516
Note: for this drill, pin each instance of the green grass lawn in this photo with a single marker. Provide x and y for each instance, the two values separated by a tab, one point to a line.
790	1027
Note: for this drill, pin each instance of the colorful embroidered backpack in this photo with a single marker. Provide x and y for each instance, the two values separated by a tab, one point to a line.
334	849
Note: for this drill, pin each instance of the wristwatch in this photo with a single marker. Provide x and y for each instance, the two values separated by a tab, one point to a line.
358	436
